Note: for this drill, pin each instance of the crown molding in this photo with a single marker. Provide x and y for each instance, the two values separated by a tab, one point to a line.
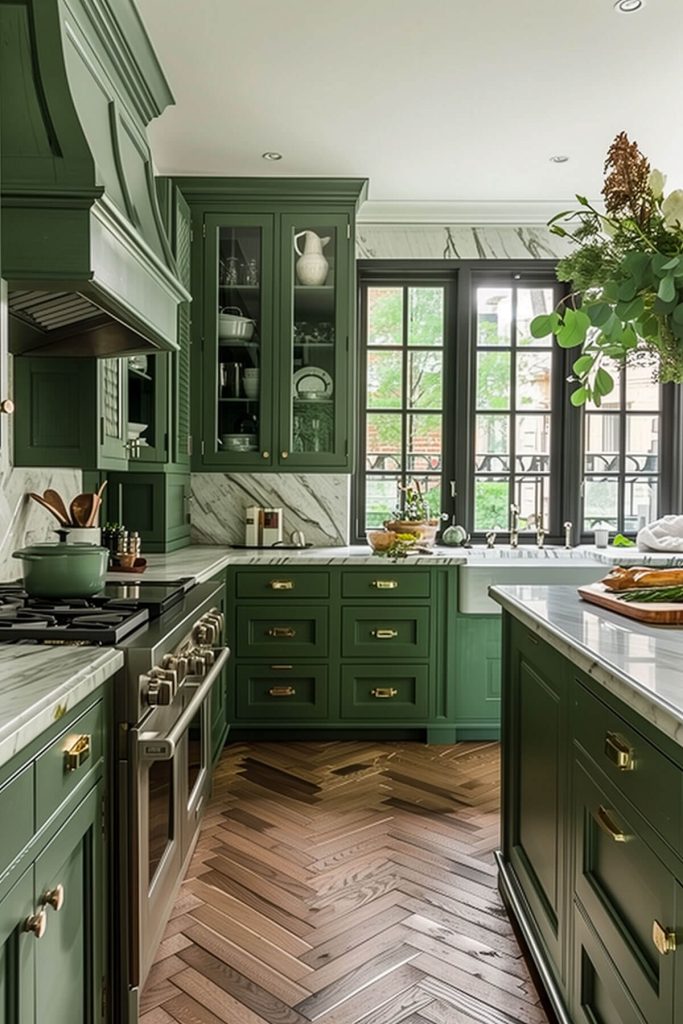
496	212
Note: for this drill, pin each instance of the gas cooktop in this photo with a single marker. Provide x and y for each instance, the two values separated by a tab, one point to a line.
106	618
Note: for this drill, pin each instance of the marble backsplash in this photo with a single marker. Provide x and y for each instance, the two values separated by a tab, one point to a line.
22	521
317	504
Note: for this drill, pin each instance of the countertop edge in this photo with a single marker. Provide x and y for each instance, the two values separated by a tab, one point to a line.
30	723
661	714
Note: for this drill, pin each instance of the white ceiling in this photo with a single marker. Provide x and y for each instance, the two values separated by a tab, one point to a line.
435	101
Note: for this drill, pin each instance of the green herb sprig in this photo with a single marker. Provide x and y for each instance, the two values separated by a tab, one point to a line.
653	595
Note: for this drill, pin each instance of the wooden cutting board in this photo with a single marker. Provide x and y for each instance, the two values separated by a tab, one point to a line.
665	614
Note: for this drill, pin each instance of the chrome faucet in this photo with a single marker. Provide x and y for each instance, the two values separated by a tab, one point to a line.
514	525
491	539
568	534
540	533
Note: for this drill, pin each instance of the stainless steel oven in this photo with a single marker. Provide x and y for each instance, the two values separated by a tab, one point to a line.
164	769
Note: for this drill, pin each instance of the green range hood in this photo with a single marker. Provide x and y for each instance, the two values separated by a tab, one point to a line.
84	249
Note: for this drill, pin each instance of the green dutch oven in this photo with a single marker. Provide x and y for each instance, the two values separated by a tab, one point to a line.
63	570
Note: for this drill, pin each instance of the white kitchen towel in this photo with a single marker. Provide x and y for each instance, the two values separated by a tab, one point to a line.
665	534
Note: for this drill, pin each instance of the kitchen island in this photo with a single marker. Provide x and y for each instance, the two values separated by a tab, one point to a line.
591	860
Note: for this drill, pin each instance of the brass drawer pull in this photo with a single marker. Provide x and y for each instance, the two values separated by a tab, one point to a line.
384	692
281	584
384	584
281	631
384	634
619	752
664	940
36	924
608	825
77	754
53	898
282	668
282	691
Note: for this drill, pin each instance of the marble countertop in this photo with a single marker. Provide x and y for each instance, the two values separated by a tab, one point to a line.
638	663
38	684
201	562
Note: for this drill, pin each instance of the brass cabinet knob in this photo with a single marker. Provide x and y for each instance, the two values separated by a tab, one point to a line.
265	455
7	406
664	940
284	455
53	898
36	924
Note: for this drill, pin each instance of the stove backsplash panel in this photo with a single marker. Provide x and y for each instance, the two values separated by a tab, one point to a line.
315	503
22	521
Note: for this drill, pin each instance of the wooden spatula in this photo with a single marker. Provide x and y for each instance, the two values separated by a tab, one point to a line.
54	499
62	520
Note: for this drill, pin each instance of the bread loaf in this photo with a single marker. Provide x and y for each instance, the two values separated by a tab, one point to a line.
621	578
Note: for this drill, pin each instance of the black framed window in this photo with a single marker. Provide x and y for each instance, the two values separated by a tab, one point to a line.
456	394
621	453
403	365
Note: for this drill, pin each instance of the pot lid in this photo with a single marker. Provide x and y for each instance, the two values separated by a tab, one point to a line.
46	550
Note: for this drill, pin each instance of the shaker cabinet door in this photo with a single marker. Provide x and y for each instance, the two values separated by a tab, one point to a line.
17	951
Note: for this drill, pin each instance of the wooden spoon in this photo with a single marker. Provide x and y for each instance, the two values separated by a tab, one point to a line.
54	499
63	521
97	504
81	509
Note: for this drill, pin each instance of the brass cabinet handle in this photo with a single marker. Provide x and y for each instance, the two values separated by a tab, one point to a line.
36	924
282	691
281	584
384	584
53	898
282	668
608	825
77	754
284	455
384	692
384	634
664	940
619	752
281	631
7	406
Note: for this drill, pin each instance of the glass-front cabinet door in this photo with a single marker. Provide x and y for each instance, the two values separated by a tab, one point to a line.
314	338
147	426
238	341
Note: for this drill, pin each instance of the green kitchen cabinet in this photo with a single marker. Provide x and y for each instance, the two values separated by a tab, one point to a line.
272	389
536	711
54	898
156	505
17	954
77	412
477	675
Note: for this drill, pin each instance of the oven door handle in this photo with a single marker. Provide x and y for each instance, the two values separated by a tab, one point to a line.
153	747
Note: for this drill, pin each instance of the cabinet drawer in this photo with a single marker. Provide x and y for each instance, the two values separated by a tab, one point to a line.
388	692
292	632
626	891
598	993
386	582
16	814
280	584
391	633
281	691
652	783
60	768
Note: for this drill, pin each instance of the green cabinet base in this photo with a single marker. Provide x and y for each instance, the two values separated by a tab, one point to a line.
156	505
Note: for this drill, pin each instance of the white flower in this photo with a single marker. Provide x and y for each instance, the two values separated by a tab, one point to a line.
608	227
656	182
672	208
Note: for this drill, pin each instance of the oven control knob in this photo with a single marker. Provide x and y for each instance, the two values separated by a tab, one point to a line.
208	655
169	661
200	632
159	691
198	664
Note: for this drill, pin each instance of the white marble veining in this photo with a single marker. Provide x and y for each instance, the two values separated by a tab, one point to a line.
457	242
22	521
316	503
639	664
39	684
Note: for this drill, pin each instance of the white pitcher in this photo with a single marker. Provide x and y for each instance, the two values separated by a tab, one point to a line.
311	267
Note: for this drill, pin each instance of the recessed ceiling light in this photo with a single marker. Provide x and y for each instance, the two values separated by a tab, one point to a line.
559	159
628	6
271	155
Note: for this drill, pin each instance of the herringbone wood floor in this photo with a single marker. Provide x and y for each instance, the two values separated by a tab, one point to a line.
343	883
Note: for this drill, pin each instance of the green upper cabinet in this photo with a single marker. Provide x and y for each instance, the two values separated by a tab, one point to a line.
274	291
91	414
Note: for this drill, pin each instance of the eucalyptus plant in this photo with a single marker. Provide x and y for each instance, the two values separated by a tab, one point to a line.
626	273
